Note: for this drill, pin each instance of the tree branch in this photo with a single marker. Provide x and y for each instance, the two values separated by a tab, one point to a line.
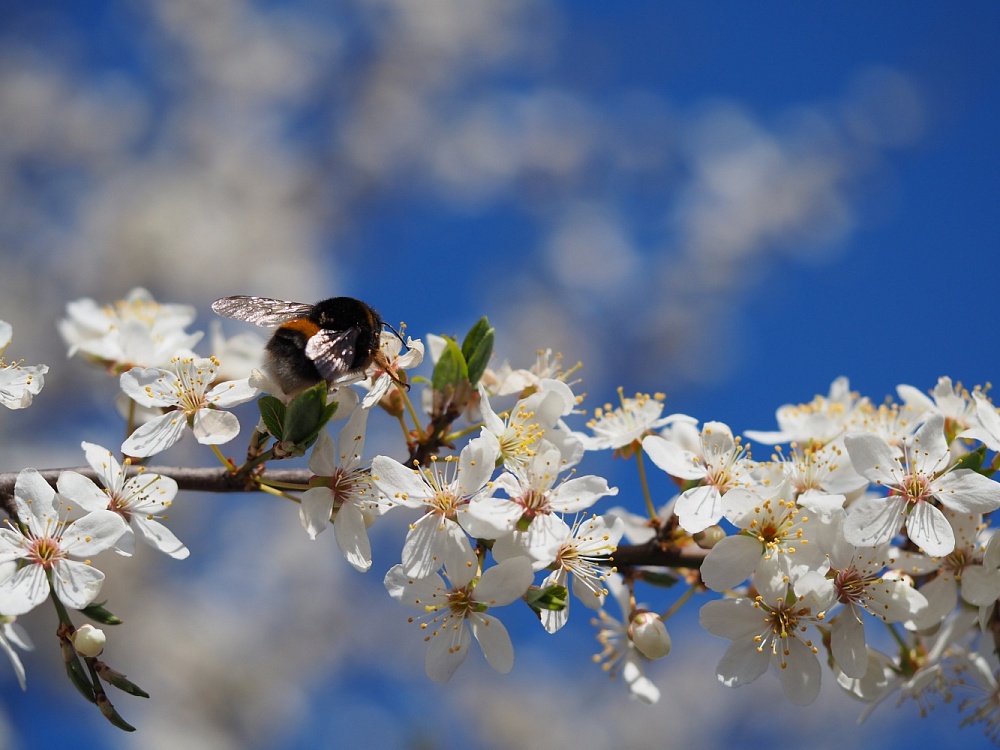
221	480
654	553
203	479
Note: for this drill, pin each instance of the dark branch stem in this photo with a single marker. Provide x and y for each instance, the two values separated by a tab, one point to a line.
654	553
222	480
204	480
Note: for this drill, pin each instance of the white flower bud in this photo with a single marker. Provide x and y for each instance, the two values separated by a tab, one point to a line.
649	635
709	537
88	640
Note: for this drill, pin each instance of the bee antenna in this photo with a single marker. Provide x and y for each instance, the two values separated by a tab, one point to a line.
398	335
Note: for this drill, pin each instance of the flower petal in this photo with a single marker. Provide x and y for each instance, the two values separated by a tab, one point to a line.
494	641
476	463
801	673
980	585
323	459
579	493
23	589
214	427
929	529
93	533
731	618
150	386
967	491
419	593
742	663
159	536
872	457
446	652
671	458
156	435
699	508
848	643
352	537
504	582
731	561
35	501
433	542
75	583
315	509
231	393
351	440
399	483
82	491
872	521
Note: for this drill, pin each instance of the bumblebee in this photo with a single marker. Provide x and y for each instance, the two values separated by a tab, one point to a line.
335	340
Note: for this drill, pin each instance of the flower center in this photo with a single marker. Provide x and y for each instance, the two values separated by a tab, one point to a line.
535	503
346	485
849	585
916	487
46	552
460	602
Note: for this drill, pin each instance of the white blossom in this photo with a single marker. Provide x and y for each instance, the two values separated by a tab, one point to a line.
141	500
19	383
134	332
185	390
465	599
342	489
772	629
444	491
50	548
925	473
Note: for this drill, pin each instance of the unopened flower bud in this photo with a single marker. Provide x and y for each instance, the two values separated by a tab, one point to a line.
649	635
88	640
393	402
709	537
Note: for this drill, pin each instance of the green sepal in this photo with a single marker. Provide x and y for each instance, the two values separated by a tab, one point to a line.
98	613
272	413
974	461
75	671
477	348
112	715
690	484
552	598
118	680
451	368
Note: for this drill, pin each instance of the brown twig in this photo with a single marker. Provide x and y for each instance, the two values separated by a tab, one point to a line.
221	480
204	480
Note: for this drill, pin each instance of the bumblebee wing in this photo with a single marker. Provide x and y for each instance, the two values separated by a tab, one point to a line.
261	311
332	352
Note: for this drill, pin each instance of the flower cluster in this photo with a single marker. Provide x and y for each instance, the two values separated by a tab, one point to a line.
865	519
869	518
510	490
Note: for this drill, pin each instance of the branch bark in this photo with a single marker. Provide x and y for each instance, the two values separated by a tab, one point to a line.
218	479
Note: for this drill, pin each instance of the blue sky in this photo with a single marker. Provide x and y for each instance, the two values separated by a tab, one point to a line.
731	203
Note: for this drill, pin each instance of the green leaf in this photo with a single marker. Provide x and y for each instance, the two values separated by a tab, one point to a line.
451	368
478	348
663	580
305	417
98	613
272	413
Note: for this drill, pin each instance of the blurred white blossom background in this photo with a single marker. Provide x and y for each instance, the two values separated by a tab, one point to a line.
443	160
